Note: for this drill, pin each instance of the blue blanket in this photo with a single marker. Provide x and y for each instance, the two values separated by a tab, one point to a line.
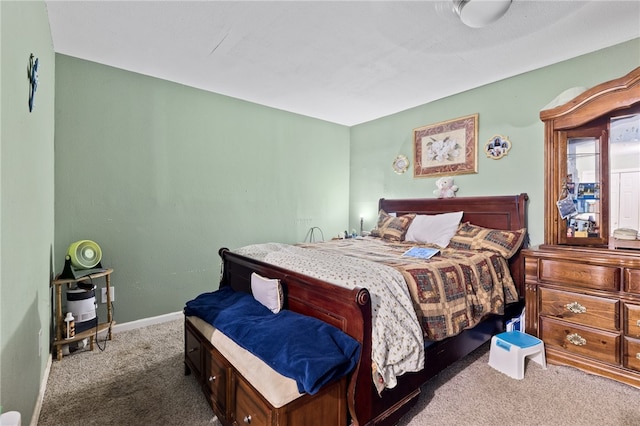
310	351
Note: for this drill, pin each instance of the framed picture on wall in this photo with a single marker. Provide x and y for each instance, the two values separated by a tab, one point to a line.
497	147
446	148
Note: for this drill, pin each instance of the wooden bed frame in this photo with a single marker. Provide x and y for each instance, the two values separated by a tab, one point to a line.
350	310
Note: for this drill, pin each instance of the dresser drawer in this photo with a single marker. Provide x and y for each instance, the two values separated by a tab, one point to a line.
250	408
632	280
593	311
585	341
578	274
632	320
632	354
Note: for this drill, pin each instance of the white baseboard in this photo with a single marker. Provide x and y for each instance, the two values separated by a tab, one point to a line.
43	388
144	322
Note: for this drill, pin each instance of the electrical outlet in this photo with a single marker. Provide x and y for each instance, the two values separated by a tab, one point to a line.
104	294
304	221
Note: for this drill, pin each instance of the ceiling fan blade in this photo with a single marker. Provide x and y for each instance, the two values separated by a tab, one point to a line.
444	9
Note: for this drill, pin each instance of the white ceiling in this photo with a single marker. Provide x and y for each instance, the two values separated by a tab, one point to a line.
346	62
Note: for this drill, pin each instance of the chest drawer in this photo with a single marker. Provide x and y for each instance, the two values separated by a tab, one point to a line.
193	351
593	311
632	354
217	379
249	406
632	320
585	341
580	275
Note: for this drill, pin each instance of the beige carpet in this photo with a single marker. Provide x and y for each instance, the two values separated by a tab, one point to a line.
139	380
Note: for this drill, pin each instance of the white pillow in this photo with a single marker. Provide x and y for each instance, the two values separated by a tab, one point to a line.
267	291
434	229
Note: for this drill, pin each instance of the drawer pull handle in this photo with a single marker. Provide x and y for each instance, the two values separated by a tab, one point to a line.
576	339
638	323
247	419
193	350
638	355
576	308
212	378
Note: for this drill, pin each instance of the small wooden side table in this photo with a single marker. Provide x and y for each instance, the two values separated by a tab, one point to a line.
91	333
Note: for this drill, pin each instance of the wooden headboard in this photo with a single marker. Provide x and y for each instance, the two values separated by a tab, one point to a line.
497	212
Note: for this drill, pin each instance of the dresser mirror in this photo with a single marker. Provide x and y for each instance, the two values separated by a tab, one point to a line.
583	184
587	161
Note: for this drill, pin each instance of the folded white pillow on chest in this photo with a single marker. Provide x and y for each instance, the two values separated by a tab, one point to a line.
267	291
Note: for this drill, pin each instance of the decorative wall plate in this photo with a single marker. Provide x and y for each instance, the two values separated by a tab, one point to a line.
400	164
497	147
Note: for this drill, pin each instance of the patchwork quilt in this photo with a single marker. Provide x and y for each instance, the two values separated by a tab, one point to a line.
412	299
451	291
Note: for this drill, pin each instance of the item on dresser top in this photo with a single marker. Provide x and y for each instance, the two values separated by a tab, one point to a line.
306	349
625	234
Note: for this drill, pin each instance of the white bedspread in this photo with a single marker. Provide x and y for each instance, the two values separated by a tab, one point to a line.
397	339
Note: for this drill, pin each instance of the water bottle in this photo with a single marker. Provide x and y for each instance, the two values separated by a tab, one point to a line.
70	328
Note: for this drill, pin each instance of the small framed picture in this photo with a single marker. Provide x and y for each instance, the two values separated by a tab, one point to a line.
497	147
400	164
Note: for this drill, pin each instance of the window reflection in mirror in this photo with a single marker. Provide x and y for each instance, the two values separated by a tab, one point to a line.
624	166
583	176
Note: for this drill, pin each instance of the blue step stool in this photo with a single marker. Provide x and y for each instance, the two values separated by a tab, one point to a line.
509	350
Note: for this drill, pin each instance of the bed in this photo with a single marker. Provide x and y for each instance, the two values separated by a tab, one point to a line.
350	309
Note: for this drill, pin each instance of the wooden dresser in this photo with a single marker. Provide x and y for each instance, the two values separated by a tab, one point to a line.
582	286
585	305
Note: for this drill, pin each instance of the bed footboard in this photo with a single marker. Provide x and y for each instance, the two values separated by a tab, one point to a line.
348	310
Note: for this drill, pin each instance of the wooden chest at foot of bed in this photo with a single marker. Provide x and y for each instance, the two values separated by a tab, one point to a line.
241	389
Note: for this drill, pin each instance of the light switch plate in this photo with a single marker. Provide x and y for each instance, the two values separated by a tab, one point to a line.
104	294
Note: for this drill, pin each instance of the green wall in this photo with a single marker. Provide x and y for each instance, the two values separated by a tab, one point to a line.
26	204
162	175
509	107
